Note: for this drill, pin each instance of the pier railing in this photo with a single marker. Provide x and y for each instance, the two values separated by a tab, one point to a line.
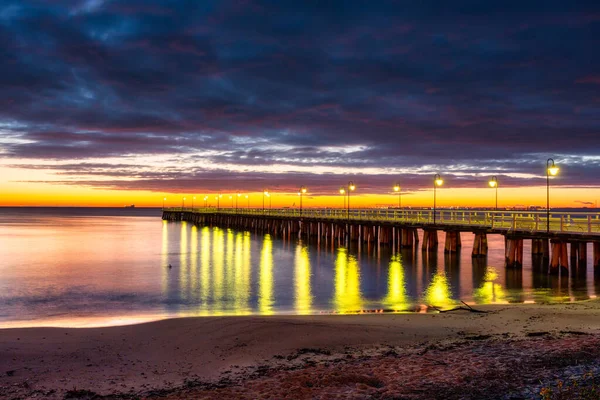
518	221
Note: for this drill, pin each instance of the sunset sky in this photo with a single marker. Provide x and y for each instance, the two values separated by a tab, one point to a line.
113	103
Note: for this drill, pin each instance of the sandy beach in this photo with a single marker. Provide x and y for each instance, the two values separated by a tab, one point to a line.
361	356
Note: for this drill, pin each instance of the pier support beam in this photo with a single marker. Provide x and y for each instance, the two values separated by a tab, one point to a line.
480	245
597	255
560	258
514	253
540	247
579	253
453	242
430	240
408	235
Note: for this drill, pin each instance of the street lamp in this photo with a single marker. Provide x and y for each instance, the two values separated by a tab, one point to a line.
231	198
236	202
193	199
351	187
494	184
269	196
205	201
164	199
218	199
265	193
301	193
397	190
182	203
343	193
248	199
437	181
551	169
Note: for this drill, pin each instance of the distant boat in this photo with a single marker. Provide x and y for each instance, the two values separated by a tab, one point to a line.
131	206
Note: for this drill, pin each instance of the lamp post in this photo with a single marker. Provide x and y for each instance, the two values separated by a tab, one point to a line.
218	199
164	199
248	199
205	201
182	203
351	187
397	190
437	181
343	193
231	198
551	169
236	202
494	184
301	193
193	200
265	193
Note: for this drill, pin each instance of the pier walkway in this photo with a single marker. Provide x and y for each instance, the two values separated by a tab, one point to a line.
398	228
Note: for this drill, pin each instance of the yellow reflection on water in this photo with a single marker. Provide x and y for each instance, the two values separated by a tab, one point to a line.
490	291
265	288
194	262
205	265
347	296
229	263
438	292
242	281
302	280
164	257
396	298
218	266
184	283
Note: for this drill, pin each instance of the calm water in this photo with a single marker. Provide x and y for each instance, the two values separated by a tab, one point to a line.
87	267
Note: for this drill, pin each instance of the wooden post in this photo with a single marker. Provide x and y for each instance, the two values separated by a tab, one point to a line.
597	255
407	237
430	240
559	259
514	252
452	242
480	246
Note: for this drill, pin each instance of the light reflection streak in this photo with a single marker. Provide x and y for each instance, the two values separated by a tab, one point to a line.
164	258
438	292
347	296
242	286
489	291
205	266
265	292
229	266
218	265
247	267
194	262
302	280
184	283
396	298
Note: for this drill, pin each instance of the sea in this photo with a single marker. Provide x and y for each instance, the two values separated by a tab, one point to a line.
84	267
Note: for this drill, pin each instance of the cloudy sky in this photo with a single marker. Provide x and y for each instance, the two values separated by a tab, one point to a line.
159	97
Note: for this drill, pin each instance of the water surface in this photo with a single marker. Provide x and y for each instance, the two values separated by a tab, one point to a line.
91	267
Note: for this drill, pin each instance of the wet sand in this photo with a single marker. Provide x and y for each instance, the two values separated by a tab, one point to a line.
297	356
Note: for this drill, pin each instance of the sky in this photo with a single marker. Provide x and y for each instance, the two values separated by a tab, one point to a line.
120	102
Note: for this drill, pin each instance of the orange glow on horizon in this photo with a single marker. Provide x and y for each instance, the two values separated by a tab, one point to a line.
38	194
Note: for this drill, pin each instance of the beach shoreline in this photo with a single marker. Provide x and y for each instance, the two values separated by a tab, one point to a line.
172	357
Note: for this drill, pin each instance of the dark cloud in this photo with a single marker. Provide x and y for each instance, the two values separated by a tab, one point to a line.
468	87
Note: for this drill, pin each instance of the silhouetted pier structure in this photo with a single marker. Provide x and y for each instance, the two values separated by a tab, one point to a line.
398	228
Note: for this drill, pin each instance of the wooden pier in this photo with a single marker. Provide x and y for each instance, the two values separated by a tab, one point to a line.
398	229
